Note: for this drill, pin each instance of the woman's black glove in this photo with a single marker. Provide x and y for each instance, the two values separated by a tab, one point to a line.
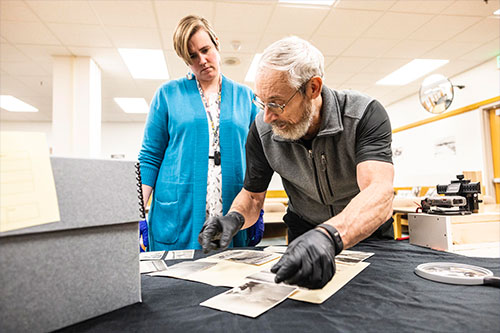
218	231
309	260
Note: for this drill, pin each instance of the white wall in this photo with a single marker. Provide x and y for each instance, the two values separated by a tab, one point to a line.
422	163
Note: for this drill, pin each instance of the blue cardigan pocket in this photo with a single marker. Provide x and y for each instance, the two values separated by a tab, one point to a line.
166	229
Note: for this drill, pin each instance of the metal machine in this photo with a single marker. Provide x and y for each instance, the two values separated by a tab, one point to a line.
461	197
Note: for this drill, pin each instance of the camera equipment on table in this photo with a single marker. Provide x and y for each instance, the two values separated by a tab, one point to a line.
461	197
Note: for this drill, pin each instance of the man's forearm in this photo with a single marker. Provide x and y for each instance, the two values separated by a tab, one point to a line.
364	214
249	205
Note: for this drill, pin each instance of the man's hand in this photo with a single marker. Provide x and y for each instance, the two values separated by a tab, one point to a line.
308	262
217	232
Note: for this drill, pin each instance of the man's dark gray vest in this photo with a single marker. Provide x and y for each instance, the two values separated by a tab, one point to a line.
320	181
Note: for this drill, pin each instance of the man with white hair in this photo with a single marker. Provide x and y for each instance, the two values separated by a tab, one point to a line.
332	150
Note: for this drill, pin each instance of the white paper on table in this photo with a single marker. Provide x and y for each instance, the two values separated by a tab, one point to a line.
250	299
344	274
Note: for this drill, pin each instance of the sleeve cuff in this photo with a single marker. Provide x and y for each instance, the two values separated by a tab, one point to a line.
149	175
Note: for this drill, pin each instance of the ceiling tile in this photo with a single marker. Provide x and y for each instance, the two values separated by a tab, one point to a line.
147	88
483	31
477	8
349	64
268	39
10	85
16	10
43	54
347	23
366	4
239	71
248	41
176	66
22	68
425	7
146	38
363	78
113	86
369	47
240	17
443	27
169	13
290	20
484	52
333	79
125	13
80	34
27	33
450	50
411	48
9	53
67	11
396	25
332	45
40	86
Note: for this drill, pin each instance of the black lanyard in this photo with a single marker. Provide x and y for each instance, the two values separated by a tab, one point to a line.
215	129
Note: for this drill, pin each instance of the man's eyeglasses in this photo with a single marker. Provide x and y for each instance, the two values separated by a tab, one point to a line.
273	107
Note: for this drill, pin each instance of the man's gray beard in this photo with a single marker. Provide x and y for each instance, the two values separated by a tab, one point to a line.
295	131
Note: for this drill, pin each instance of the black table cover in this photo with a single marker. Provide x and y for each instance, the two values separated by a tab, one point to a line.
386	297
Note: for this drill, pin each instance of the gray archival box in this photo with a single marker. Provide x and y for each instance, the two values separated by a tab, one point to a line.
61	273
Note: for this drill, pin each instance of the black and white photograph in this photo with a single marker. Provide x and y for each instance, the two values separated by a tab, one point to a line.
151	255
152	266
180	254
352	257
183	269
246	256
250	299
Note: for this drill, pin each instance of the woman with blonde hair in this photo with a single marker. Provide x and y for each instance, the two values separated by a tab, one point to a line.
192	157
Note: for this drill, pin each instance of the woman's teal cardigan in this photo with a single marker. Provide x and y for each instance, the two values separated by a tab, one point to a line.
174	159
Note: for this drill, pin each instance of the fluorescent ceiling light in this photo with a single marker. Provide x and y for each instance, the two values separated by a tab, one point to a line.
411	71
132	105
310	2
252	71
10	103
145	63
496	12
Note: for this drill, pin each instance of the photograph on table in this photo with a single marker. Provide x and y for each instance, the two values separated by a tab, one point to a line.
183	269
152	266
152	255
352	257
250	299
246	256
180	254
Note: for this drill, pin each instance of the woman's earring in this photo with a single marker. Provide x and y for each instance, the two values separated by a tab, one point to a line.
190	75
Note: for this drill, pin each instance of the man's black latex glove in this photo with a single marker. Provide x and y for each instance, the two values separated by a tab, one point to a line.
309	260
217	232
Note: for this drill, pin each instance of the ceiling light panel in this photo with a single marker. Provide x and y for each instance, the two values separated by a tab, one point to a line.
12	104
411	71
145	63
132	105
